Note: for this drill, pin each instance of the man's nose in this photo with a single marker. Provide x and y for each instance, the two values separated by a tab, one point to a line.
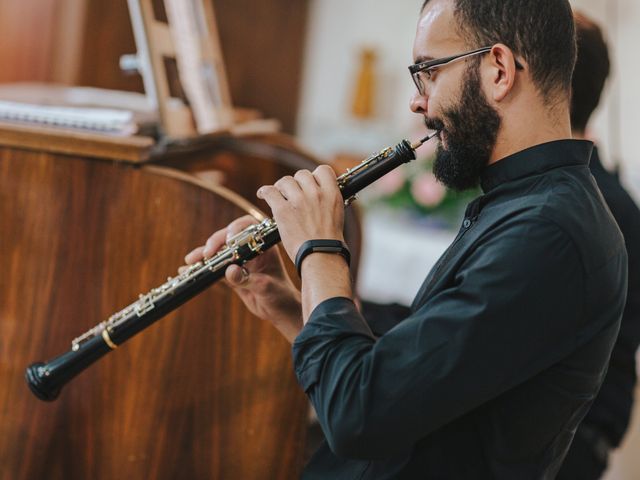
419	103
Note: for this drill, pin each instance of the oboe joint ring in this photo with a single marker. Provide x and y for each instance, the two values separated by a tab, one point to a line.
107	339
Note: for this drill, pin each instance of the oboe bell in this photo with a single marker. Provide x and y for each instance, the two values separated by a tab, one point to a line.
46	379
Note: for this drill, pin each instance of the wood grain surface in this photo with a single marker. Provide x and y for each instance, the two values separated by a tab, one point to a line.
206	393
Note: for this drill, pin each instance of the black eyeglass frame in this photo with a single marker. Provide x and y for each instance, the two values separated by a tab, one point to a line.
416	68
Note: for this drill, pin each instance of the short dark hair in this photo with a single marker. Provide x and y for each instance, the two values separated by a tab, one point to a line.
591	72
541	31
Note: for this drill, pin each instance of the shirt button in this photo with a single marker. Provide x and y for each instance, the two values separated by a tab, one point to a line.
466	223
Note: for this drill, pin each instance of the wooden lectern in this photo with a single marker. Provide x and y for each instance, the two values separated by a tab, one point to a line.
208	392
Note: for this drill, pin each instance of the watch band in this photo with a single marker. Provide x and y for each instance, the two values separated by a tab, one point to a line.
324	246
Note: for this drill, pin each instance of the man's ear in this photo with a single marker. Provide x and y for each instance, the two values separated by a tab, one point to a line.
503	71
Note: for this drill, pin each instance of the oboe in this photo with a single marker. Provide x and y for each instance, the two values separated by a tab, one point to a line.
46	379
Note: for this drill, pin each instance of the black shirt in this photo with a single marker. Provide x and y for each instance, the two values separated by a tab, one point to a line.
504	350
611	411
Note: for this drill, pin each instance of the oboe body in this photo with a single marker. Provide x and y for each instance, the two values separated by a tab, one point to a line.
46	379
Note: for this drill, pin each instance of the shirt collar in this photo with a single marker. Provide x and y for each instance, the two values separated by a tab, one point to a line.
595	162
536	160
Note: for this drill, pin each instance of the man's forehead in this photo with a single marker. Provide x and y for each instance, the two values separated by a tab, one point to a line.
436	33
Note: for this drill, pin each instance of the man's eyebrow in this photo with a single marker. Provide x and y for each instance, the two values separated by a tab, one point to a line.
422	58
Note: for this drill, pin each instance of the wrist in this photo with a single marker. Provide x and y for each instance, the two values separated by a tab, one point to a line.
325	246
324	276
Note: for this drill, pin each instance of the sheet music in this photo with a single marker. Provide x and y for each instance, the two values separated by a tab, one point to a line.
109	111
119	122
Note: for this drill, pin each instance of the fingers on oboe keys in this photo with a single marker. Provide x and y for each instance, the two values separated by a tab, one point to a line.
216	241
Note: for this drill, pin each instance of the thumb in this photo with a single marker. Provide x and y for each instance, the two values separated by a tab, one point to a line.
237	276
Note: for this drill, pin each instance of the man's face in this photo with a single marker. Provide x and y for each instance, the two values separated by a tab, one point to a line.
454	102
470	128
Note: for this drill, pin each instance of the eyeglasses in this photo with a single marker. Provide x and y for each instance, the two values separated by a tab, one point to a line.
421	72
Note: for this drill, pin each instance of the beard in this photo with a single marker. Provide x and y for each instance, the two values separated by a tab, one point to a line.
471	135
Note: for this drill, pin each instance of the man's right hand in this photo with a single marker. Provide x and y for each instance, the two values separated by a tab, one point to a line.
262	284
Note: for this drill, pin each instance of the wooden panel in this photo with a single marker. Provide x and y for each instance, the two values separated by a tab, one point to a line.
80	142
205	393
23	55
263	46
107	36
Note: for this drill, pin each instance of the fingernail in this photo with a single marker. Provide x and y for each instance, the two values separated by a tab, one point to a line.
245	274
241	277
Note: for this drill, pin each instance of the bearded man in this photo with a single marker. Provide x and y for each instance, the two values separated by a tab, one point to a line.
508	339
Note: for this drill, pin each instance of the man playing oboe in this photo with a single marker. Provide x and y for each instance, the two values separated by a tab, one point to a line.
509	337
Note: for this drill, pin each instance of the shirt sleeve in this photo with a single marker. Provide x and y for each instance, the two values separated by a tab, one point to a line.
382	317
511	310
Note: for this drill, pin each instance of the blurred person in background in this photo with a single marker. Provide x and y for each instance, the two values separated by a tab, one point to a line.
606	422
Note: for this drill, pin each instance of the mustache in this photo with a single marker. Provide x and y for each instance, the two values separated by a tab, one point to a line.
433	124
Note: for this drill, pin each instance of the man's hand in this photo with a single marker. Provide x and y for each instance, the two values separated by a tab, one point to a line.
262	284
307	206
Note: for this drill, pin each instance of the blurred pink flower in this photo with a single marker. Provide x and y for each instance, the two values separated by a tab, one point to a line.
427	191
391	182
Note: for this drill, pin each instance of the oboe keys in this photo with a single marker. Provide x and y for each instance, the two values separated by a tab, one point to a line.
144	304
78	341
